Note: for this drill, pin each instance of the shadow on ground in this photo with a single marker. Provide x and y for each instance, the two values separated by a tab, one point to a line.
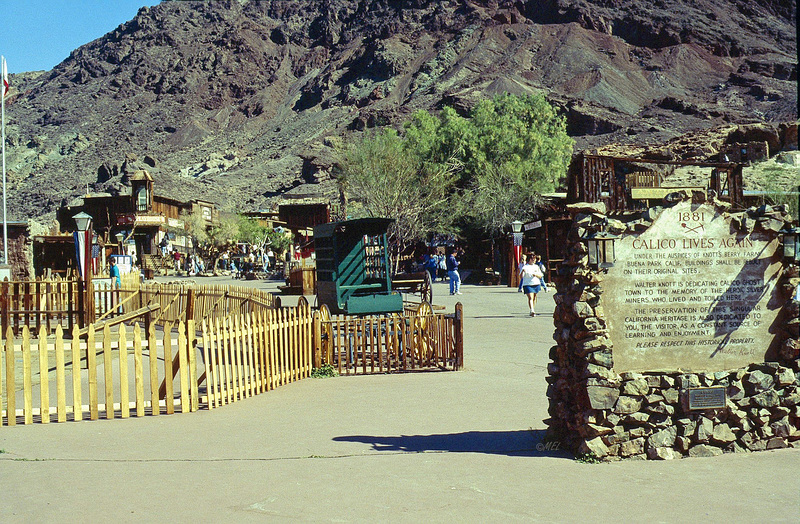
527	442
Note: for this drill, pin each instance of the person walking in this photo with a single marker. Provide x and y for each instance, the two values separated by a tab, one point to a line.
116	281
531	281
164	245
452	272
441	269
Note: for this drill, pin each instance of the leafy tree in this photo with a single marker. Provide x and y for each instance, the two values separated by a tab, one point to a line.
384	178
253	232
482	171
515	149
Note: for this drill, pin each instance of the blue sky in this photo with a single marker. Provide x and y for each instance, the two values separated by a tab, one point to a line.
38	34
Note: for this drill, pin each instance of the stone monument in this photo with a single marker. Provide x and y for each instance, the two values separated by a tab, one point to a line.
687	345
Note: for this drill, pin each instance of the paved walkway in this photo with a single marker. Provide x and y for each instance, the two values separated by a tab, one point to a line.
435	447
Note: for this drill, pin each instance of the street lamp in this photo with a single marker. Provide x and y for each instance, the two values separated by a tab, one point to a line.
120	237
83	239
82	220
601	249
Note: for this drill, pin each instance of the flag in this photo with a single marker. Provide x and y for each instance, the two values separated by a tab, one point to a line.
5	78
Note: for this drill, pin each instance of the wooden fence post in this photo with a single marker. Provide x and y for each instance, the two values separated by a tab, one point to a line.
317	337
458	327
81	295
190	298
11	392
5	305
70	303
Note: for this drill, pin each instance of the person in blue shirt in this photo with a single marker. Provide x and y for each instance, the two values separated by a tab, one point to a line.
430	263
452	272
113	273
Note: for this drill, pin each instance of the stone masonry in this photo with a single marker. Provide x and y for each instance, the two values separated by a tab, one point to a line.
594	410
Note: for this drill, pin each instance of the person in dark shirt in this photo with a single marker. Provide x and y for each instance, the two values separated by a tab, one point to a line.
452	272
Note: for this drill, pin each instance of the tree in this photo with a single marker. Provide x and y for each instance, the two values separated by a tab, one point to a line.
481	171
514	149
254	233
387	179
212	240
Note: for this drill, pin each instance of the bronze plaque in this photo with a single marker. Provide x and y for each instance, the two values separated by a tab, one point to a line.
707	398
692	292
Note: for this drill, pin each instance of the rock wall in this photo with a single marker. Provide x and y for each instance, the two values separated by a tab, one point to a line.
595	410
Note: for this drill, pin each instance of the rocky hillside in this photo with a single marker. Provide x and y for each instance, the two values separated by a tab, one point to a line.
238	101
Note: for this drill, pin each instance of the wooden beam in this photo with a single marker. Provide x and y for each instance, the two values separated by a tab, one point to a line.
124	318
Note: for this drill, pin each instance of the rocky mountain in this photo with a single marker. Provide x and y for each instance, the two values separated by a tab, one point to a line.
240	101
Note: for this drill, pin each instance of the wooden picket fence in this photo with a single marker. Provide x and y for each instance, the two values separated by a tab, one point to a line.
416	340
224	346
153	372
199	302
50	302
42	302
63	301
114	374
252	353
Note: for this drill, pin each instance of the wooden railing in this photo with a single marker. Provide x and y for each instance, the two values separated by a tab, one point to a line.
200	302
39	303
643	179
52	302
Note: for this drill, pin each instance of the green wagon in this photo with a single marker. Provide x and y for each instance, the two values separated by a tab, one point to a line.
353	272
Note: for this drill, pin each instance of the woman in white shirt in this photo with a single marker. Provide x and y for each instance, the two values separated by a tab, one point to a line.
531	281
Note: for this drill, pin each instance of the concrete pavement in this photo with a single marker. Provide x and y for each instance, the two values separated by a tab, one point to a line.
438	447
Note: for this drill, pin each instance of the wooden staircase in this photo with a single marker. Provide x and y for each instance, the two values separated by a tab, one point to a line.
158	263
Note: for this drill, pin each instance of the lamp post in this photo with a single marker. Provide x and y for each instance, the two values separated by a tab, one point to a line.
791	253
516	231
83	244
120	237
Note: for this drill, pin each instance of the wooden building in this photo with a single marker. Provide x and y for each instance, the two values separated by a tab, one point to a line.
626	184
623	184
54	255
142	217
304	216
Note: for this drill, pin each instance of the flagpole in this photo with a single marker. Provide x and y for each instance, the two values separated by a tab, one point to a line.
3	126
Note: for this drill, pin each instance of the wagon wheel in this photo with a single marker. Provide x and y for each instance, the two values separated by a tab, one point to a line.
426	289
326	334
424	327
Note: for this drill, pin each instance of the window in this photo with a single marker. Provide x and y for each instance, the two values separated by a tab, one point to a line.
141	199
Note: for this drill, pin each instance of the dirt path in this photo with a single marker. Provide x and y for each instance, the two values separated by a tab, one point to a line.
438	447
